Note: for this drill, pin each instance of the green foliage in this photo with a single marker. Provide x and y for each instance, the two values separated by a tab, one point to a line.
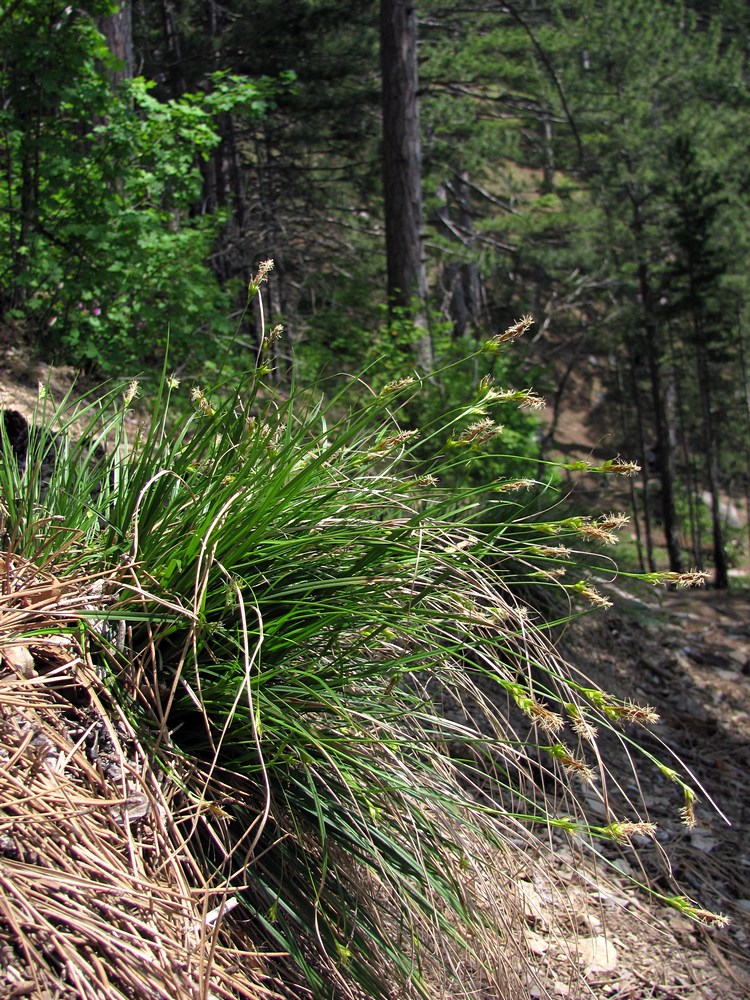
103	248
587	160
461	371
309	175
553	178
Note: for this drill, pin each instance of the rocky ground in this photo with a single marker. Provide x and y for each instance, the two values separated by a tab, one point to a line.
687	654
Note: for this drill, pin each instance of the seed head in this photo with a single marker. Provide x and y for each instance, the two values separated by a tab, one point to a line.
693	578
597	534
683	904
478	433
550	574
581	726
131	392
395	439
427	480
493	345
593	595
575	766
517	484
468	542
397	385
613	521
687	813
708	917
550	722
273	336
624	832
530	401
621	467
551	551
485	385
264	268
641	715
516	329
201	403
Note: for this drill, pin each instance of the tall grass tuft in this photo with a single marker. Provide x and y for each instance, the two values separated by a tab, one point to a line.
339	663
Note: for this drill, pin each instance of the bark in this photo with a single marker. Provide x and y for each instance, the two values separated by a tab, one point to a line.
625	396
402	169
664	449
746	397
643	457
173	61
721	566
463	299
687	454
117	29
652	345
548	157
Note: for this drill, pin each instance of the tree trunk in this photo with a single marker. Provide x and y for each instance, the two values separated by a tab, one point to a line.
173	62
117	29
642	450
548	152
463	299
625	396
688	466
664	450
721	567
651	343
402	171
746	398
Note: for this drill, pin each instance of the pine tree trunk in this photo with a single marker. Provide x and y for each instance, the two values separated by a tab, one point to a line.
651	345
463	299
402	170
746	397
683	438
624	394
721	567
117	29
649	538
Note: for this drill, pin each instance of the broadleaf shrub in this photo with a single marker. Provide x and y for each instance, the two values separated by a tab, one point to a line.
102	244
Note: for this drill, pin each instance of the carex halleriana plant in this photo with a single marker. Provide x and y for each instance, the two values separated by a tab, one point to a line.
336	659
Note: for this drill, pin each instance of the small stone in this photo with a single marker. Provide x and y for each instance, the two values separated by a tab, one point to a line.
19	659
622	866
597	954
702	842
534	907
536	943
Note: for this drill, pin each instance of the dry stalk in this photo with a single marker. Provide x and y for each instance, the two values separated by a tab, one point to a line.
101	895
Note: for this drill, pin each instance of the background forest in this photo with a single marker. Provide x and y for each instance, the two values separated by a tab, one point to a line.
581	162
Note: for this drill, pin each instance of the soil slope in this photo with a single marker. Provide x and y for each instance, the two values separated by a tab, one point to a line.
686	653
